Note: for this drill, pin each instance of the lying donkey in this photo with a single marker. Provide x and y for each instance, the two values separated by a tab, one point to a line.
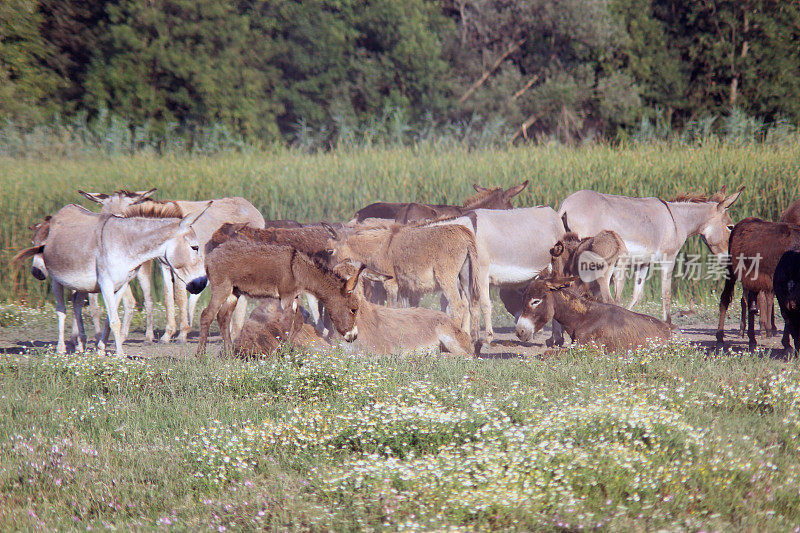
245	267
387	330
587	321
90	252
269	325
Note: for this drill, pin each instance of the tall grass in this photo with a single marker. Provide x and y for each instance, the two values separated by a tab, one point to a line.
288	183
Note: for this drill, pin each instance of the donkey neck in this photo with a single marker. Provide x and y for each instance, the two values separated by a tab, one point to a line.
372	248
141	238
320	282
569	310
691	217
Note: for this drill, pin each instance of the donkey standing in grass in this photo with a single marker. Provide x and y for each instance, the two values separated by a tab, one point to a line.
652	229
756	246
404	213
592	259
419	260
246	267
233	210
90	252
513	246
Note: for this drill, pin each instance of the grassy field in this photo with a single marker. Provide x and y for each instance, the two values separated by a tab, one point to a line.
663	438
288	184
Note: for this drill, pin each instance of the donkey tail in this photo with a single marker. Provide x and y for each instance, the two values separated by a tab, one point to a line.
27	252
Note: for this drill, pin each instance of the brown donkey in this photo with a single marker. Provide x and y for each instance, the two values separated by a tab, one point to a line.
587	321
755	248
388	330
245	267
420	260
269	325
592	259
405	213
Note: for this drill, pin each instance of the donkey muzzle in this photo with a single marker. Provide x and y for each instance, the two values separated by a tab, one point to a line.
38	274
197	285
351	335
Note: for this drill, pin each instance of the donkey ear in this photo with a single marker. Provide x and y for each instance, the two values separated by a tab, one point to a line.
330	229
191	218
144	195
727	202
93	196
556	284
350	284
375	276
516	189
557	250
478	188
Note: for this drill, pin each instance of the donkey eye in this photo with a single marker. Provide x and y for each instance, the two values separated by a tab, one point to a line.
196	248
353	311
534	302
730	227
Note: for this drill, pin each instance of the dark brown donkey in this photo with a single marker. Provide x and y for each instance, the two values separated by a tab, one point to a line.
241	266
764	302
586	321
404	213
755	247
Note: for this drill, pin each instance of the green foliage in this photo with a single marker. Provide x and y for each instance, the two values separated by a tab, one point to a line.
25	86
323	73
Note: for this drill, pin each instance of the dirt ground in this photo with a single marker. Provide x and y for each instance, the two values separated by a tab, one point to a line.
697	325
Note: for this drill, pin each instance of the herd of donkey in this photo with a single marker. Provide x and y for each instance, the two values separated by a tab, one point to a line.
362	280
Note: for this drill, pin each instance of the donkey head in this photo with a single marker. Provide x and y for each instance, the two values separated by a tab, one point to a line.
539	305
717	228
119	201
343	308
183	254
494	198
40	232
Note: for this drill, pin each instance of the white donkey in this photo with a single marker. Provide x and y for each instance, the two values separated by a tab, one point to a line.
654	230
513	247
235	210
90	252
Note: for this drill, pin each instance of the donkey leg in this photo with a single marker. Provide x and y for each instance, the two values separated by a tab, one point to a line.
144	276
638	285
128	307
61	314
239	316
224	320
77	321
743	319
219	294
94	310
485	300
751	323
169	304
188	319
111	298
666	292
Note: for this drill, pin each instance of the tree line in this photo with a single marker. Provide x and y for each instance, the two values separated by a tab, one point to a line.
279	70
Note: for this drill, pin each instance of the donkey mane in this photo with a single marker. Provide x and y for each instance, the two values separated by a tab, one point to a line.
127	193
479	198
153	210
697	198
